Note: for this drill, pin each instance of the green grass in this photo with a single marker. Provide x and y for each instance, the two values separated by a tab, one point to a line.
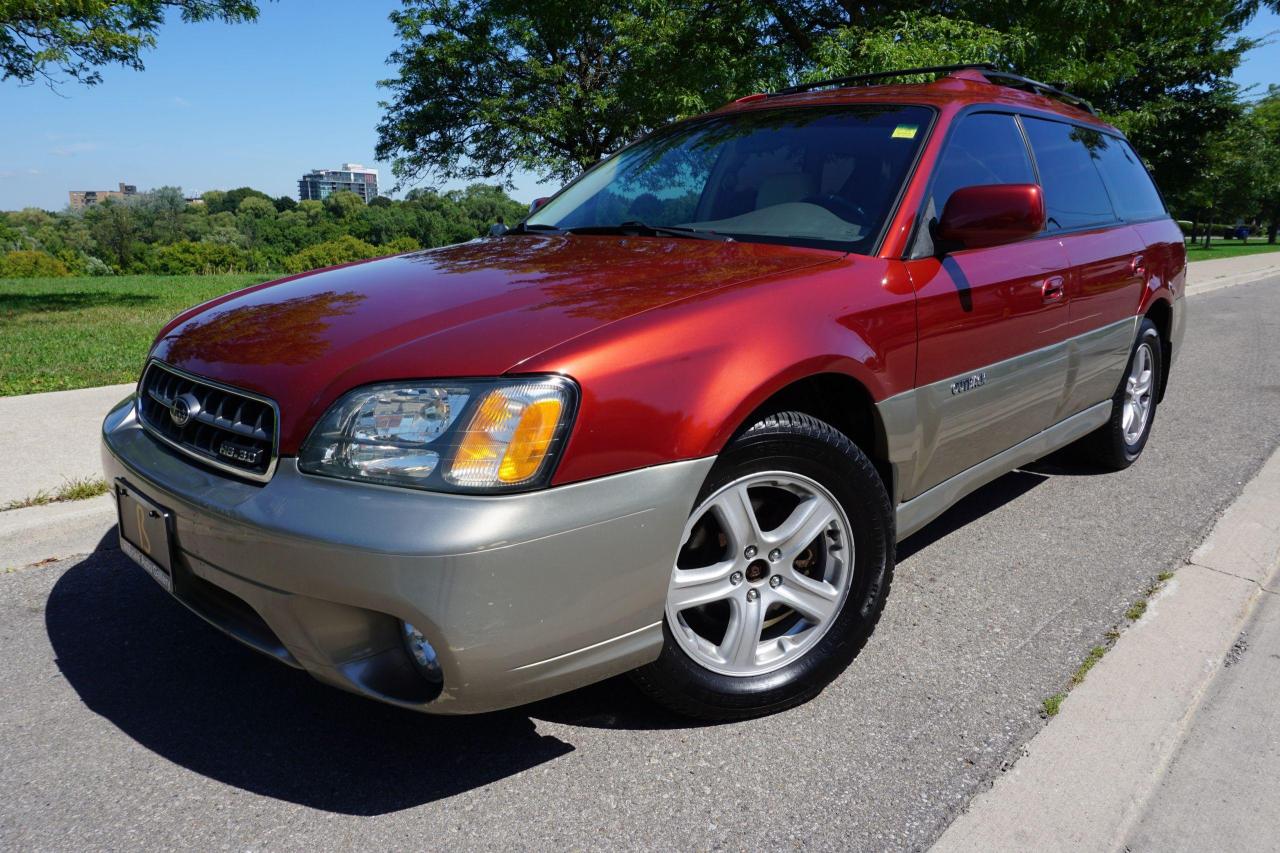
1053	704
62	333
1229	249
72	490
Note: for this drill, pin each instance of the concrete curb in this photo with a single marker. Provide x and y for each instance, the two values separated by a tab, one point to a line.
1210	285
40	533
1086	778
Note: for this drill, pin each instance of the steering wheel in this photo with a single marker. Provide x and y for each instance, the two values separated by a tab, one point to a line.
847	210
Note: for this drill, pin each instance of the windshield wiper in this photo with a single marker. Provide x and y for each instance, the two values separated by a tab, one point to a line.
525	228
635	226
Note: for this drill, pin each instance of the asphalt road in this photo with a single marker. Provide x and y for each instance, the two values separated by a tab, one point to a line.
126	722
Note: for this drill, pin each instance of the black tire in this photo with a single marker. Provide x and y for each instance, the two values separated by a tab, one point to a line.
799	444
1107	446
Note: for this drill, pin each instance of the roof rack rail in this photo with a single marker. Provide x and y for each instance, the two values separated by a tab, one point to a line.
1017	81
992	73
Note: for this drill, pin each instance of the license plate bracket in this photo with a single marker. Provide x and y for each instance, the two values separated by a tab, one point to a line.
145	529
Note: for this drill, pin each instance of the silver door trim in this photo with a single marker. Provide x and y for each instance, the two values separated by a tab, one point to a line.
919	511
1006	407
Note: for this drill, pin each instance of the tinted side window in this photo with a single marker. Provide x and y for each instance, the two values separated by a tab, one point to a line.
986	148
1074	195
1131	189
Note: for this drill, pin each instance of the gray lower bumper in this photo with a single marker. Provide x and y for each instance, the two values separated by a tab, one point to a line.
522	596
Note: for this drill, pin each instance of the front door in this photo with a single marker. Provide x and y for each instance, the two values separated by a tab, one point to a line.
992	361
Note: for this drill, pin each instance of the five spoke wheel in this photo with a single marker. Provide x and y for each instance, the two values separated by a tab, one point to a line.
1138	389
763	570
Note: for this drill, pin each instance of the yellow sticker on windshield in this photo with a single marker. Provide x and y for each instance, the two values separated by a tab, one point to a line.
904	131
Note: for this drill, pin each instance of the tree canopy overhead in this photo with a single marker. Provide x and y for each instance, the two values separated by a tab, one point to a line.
484	87
73	39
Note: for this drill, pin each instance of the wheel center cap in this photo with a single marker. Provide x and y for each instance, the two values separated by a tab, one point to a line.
757	571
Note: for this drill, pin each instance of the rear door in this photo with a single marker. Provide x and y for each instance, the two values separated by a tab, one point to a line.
991	368
1105	253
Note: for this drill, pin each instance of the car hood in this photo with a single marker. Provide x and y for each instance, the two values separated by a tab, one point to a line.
474	309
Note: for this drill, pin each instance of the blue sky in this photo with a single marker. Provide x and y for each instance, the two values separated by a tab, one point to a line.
223	106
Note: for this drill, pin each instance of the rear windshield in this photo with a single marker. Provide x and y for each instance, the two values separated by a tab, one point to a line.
813	176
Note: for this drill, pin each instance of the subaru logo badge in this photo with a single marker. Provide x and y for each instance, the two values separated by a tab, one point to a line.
183	409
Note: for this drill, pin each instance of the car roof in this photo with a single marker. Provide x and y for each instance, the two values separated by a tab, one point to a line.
957	90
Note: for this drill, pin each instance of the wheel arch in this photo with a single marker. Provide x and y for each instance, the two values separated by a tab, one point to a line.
1160	312
837	398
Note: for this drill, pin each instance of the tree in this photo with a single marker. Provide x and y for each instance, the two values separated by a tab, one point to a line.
160	212
115	229
485	87
47	38
285	203
343	204
1266	117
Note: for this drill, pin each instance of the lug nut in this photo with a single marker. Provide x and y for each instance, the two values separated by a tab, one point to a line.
751	551
735	578
775	555
775	581
753	594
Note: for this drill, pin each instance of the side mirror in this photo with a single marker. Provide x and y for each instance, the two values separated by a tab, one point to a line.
991	215
539	202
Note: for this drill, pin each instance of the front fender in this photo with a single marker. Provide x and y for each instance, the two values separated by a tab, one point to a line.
677	382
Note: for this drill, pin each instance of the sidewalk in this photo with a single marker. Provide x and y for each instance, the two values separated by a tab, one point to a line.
51	438
1207	276
1172	742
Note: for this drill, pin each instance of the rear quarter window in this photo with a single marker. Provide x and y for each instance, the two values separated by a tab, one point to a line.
1132	190
1066	155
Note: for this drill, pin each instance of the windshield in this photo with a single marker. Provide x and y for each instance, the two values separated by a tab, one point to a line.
814	176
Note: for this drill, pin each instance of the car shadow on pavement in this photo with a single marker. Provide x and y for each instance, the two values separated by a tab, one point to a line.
191	695
982	501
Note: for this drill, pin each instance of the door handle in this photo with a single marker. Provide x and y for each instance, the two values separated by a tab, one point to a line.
1053	289
1138	266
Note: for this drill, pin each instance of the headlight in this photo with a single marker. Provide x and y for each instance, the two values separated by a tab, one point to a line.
468	436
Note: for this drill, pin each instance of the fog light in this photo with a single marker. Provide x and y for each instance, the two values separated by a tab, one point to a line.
423	655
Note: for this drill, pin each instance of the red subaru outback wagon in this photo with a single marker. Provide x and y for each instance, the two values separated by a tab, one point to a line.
675	422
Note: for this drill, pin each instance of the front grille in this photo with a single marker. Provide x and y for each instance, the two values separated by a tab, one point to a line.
228	429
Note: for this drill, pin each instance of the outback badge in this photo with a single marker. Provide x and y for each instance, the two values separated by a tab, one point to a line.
977	380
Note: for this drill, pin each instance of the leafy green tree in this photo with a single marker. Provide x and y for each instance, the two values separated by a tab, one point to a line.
1266	178
256	220
74	38
285	203
343	204
485	87
160	213
29	264
115	229
229	201
340	251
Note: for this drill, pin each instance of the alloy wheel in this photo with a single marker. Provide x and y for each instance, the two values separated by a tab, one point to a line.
763	571
1138	389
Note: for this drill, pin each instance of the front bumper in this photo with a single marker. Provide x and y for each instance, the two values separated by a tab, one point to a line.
521	596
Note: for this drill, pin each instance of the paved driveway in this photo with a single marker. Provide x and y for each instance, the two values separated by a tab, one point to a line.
125	722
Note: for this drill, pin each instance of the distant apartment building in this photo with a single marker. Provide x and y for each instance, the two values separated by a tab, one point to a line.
83	198
319	184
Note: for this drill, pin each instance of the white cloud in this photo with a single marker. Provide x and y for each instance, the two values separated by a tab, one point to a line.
179	101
